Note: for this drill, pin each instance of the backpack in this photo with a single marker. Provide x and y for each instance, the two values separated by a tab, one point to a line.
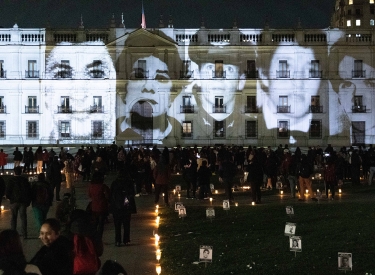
85	259
41	195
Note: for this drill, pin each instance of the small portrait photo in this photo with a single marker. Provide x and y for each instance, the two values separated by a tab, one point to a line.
289	210
345	261
226	205
205	253
210	212
178	188
177	206
182	212
295	243
290	229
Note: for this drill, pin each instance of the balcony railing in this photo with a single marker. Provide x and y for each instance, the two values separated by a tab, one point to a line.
251	74
64	74
64	109
359	109
3	109
140	73
186	74
283	109
3	74
31	74
97	74
187	108
316	109
315	74
283	74
219	74
32	109
96	109
251	109
358	74
219	109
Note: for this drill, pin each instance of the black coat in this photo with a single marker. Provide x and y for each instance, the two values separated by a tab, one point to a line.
255	173
204	175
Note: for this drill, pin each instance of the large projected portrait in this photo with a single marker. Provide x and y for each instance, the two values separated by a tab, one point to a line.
81	92
145	103
290	94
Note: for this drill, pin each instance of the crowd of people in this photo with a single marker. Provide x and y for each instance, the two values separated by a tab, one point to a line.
144	171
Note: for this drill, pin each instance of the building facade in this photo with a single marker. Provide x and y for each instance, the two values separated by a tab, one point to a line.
191	86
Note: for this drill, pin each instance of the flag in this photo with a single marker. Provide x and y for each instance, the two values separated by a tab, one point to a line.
143	24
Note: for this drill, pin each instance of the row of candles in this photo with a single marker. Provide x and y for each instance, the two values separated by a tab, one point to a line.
157	239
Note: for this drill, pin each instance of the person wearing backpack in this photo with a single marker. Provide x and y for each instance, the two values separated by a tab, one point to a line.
41	199
18	192
122	205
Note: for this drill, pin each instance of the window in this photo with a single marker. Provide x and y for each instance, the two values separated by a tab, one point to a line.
372	22
141	71
283	105
97	69
219	69
251	129
358	22
219	130
2	72
315	129
186	69
2	129
283	69
251	104
251	71
348	23
372	11
187	106
349	12
219	105
65	105
65	69
315	105
97	106
350	2
97	129
187	129
358	132
32	71
371	1
357	12
283	129
358	105
32	129
358	71
315	69
64	129
2	106
32	105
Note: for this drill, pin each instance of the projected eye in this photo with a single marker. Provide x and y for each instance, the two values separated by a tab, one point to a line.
230	69
208	67
346	85
161	77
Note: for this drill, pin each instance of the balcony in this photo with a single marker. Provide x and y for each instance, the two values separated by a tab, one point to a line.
315	109
283	109
251	109
64	109
251	74
358	74
97	74
219	109
31	74
64	74
186	74
140	73
32	109
187	109
359	109
283	74
315	74
96	109
219	74
3	109
3	74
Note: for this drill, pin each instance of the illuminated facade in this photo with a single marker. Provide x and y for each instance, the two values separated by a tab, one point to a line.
191	86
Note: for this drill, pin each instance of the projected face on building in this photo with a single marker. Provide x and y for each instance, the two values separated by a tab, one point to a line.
147	99
286	99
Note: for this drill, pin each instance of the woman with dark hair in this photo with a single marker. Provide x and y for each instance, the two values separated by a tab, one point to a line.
162	174
112	268
122	205
56	256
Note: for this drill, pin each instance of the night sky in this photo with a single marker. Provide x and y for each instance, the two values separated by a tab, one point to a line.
185	13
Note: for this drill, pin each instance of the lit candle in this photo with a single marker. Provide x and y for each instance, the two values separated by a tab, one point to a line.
158	254
340	191
157	238
7	172
281	192
174	191
156	211
307	191
157	206
210	199
253	203
2	207
236	204
216	192
158	269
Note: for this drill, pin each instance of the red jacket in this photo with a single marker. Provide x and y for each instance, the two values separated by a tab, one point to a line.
3	158
99	195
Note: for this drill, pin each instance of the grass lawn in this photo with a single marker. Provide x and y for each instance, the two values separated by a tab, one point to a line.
250	239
